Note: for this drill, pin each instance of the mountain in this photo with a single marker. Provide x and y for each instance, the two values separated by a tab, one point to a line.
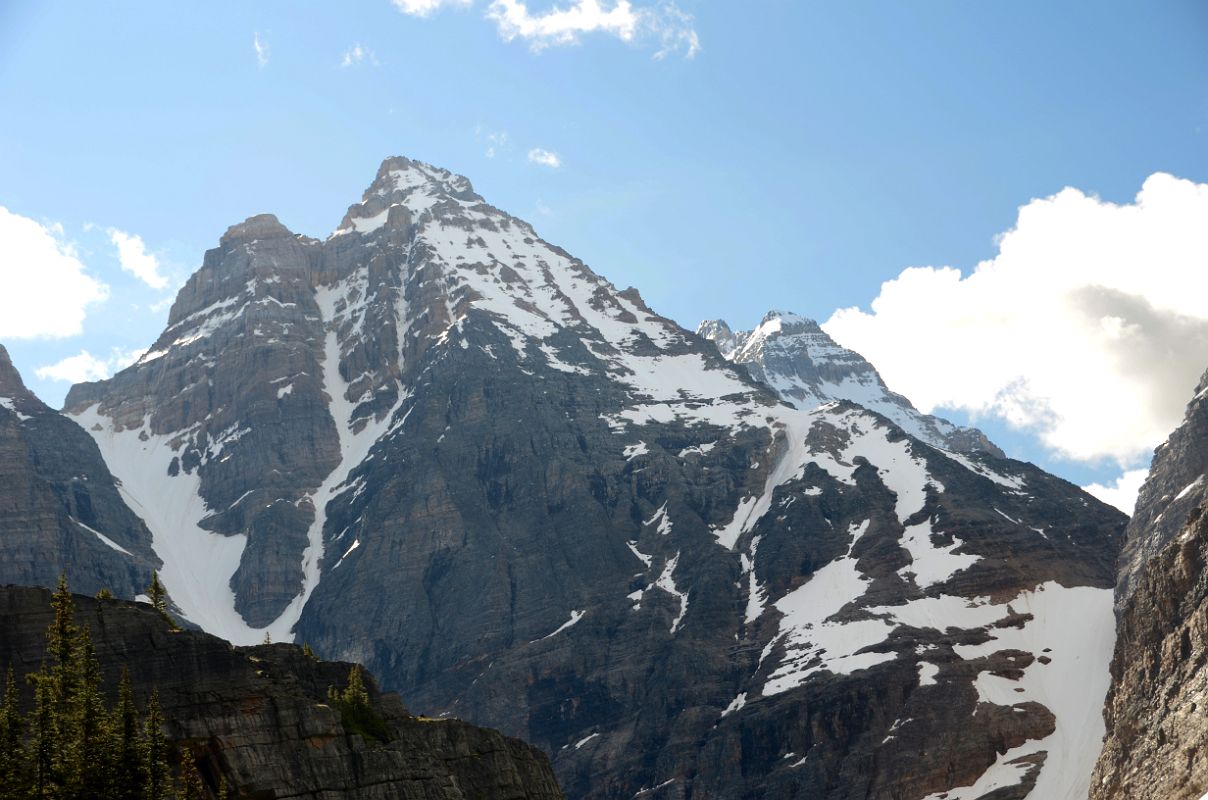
60	509
806	368
259	718
436	444
1157	736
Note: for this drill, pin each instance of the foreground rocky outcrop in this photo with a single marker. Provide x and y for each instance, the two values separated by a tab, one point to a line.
1157	711
259	719
60	508
438	445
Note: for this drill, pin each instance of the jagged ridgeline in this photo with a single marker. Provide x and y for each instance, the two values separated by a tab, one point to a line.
437	445
125	705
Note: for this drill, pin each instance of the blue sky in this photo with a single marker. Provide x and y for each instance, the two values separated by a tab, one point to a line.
806	153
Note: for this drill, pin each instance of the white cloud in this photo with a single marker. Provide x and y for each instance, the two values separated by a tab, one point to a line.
133	255
664	23
545	158
423	8
1123	493
1088	326
261	50
46	288
356	55
496	141
86	367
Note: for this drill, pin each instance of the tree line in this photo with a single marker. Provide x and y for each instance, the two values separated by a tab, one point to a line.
73	744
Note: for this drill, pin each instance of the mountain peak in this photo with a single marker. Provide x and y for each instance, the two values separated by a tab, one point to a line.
402	190
12	388
260	226
787	319
806	367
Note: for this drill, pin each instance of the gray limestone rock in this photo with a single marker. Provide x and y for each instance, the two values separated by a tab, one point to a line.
60	508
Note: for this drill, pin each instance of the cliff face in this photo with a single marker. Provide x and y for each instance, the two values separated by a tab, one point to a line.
259	718
1157	726
60	508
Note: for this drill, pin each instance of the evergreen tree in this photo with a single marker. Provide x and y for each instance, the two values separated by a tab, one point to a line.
355	710
159	600
89	754
190	786
46	743
130	774
14	776
155	752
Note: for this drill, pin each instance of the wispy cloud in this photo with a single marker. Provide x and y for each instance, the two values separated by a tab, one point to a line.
496	141
663	24
134	258
423	8
261	49
47	290
357	54
86	367
545	158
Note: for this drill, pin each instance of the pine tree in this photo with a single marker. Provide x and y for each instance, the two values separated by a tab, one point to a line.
190	786
130	775
45	746
355	710
155	752
91	749
355	694
159	600
14	776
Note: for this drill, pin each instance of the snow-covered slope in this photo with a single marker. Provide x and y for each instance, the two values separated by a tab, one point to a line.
442	446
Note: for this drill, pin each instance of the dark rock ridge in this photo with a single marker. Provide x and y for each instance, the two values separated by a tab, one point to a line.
1157	728
436	444
1176	485
60	510
258	717
806	367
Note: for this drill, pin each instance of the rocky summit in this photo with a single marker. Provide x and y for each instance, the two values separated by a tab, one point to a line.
804	366
437	445
1157	732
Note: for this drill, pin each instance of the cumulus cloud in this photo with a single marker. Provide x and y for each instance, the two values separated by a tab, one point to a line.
664	24
1088	327
86	367
47	290
134	258
545	158
261	49
1123	492
356	54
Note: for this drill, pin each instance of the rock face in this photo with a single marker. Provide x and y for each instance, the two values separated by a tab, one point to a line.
806	368
60	510
258	717
1157	731
1176	486
436	444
